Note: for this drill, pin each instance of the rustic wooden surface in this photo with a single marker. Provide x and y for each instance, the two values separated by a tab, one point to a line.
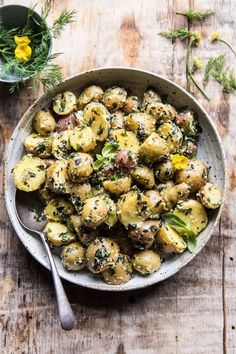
194	312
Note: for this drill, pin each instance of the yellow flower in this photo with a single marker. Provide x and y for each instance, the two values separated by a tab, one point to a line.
179	162
23	52
197	63
215	36
197	37
22	40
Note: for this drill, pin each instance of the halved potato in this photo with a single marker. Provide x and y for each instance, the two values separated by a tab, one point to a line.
126	139
58	234
61	147
119	186
170	241
38	145
154	148
90	93
82	139
58	209
96	117
58	178
64	103
210	196
141	123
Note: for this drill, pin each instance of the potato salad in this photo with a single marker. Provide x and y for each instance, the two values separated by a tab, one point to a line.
120	180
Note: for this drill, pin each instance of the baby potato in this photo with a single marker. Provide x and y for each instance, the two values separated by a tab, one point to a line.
80	166
118	186
117	120
57	209
169	240
195	174
102	254
157	205
114	98
97	118
44	122
120	273
146	262
172	135
85	235
143	175
144	234
154	148
160	187
67	122
58	234
131	104
141	123
64	103
165	171
38	145
57	177
210	196
91	93
112	212
73	256
61	147
133	208
126	159
82	138
193	213
81	190
45	194
150	96
187	122
94	212
29	173
172	194
126	139
161	112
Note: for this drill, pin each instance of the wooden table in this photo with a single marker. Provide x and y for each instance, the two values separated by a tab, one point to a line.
194	312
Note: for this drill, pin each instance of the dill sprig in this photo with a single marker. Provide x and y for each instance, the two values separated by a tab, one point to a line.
40	67
225	76
180	33
194	15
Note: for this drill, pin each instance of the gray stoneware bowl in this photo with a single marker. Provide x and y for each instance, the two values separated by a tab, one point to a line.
210	150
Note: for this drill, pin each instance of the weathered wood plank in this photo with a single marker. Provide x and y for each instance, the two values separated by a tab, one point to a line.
194	311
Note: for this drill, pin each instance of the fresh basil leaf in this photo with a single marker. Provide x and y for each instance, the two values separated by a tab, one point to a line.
98	164
109	149
192	243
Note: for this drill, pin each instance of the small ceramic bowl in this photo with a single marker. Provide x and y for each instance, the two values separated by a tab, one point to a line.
137	81
12	16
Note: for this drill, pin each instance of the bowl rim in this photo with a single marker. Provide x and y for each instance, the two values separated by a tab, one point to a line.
11	81
148	282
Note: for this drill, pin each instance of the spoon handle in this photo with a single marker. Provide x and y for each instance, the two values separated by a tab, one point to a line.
66	315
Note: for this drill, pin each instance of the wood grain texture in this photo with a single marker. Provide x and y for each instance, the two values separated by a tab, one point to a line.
194	312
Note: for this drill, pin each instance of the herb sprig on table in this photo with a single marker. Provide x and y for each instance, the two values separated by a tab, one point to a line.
24	52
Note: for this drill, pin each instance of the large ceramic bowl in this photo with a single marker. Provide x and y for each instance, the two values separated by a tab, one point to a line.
210	150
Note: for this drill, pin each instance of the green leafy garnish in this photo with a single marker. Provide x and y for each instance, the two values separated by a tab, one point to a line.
182	227
180	33
193	15
107	153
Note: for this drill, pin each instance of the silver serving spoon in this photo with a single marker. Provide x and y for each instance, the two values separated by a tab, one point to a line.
26	204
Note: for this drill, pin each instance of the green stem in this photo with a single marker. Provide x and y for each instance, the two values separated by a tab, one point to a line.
189	72
231	48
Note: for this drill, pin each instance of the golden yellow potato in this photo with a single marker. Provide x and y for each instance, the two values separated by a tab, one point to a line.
64	103
154	148
61	147
97	118
57	177
172	135
114	98
146	262
193	213
101	254
161	112
164	171
82	139
141	123
131	104
81	190
157	205
143	175
172	194
58	234
169	240
126	139
120	273
85	235
44	122
29	173
38	145
133	208
80	166
117	120
195	174
210	196
73	256
112	212
150	96
91	93
118	186
58	209
144	234
94	212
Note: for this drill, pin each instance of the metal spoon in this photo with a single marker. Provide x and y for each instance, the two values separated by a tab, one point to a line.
26	204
